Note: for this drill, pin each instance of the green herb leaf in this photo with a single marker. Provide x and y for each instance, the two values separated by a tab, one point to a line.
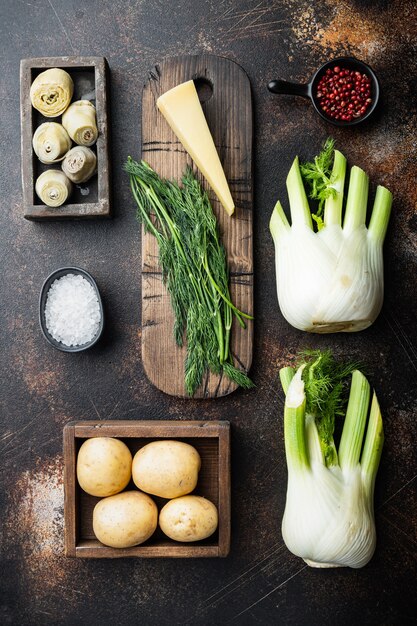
326	384
317	175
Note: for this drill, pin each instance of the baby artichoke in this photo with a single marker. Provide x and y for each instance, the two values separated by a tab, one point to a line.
53	187
79	120
51	92
79	164
50	142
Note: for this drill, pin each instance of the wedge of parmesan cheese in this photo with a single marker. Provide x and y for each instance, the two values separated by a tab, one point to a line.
182	110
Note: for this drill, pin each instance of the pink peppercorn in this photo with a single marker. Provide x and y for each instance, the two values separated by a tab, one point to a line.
344	94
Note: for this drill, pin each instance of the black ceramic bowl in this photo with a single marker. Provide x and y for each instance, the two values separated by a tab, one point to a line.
42	302
309	90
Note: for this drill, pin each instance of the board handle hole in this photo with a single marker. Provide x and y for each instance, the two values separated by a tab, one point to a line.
204	89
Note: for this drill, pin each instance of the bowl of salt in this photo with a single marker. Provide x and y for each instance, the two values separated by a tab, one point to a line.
70	310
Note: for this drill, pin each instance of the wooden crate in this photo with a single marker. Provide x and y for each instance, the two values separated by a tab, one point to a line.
211	439
91	199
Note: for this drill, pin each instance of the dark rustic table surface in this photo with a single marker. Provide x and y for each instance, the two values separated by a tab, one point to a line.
42	389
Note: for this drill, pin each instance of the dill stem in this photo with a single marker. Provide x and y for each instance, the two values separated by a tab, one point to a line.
145	216
219	291
227	327
220	335
145	190
171	225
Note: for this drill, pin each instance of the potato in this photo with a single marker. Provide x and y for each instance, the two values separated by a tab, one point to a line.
190	518
104	466
166	468
125	520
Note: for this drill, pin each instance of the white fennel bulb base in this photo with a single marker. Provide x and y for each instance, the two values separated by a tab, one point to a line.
323	287
337	528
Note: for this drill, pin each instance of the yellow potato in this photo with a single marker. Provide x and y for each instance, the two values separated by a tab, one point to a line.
125	520
190	518
104	466
166	468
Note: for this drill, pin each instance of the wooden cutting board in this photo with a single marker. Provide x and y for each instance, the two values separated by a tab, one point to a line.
224	91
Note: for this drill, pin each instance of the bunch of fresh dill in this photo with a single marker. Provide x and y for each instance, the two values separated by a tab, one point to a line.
194	269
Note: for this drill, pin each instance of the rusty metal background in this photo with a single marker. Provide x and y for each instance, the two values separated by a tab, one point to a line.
42	389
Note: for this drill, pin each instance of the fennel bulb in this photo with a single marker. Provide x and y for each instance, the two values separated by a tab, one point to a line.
329	517
330	280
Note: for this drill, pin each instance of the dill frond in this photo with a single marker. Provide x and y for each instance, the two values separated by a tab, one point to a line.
318	176
326	384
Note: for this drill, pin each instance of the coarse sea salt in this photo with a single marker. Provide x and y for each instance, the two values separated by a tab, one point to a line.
72	310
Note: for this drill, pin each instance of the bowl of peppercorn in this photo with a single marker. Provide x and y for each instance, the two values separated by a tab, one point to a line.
344	91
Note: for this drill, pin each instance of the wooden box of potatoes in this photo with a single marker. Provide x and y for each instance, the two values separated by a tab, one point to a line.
147	489
65	138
